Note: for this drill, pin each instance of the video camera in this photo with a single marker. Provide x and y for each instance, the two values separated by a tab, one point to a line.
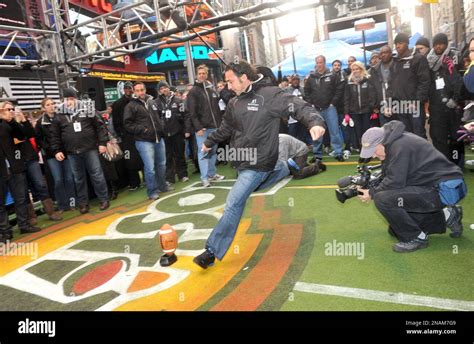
366	177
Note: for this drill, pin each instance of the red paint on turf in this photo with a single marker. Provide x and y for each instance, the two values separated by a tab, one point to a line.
96	277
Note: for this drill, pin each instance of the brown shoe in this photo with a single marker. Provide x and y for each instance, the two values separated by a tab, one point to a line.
49	209
84	208
104	205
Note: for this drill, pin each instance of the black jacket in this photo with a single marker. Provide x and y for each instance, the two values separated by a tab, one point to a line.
359	97
252	121
65	139
43	136
8	150
343	80
118	109
141	120
412	161
452	86
381	88
203	106
410	78
177	120
324	89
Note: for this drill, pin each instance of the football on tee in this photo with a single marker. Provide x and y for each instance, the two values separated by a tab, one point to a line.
168	239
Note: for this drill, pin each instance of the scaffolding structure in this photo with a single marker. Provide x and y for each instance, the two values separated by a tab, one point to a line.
128	29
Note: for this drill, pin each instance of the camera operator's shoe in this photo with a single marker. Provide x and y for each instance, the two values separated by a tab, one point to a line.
454	221
410	246
205	259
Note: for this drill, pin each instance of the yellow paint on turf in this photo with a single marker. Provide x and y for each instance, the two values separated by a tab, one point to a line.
201	284
59	239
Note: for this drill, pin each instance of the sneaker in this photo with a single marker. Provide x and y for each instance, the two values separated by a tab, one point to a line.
154	197
340	158
333	153
205	259
133	188
216	177
206	183
410	246
184	179
454	221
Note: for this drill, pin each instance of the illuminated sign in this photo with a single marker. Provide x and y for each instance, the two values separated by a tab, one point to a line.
127	76
96	6
198	52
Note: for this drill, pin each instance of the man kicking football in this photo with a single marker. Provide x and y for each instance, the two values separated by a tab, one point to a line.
252	121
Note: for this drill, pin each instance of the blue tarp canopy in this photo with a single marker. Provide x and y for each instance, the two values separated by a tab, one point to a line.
333	49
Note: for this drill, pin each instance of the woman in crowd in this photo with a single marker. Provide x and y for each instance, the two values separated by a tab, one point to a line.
359	100
64	188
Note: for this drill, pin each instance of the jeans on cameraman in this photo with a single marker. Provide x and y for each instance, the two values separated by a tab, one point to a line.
330	117
410	210
247	182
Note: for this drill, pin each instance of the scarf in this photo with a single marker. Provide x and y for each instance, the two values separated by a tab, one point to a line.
436	61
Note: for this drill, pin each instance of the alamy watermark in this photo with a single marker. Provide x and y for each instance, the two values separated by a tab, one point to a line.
345	249
233	154
17	249
409	107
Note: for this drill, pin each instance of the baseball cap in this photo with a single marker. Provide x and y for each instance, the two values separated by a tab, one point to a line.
370	140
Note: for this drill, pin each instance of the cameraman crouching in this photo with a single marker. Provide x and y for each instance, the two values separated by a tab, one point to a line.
418	181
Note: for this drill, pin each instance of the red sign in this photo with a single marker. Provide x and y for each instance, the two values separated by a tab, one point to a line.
95	6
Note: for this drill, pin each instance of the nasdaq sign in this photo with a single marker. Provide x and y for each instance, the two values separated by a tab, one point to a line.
198	52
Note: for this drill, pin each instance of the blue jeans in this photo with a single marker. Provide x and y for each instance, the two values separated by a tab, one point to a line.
154	161
36	181
330	116
88	162
247	182
207	166
64	187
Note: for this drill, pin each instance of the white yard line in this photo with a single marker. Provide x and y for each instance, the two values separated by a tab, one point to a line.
383	296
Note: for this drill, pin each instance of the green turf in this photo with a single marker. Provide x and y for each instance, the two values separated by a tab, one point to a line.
443	270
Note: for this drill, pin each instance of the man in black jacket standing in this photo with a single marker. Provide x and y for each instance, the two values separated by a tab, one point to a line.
252	122
381	78
132	161
409	86
324	90
203	107
408	196
141	119
176	127
77	132
12	172
445	93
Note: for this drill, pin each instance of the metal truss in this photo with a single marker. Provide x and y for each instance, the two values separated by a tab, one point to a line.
134	28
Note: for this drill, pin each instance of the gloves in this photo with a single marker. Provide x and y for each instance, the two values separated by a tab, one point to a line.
374	116
451	104
347	121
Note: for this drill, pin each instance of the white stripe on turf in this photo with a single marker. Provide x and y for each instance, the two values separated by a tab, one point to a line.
383	296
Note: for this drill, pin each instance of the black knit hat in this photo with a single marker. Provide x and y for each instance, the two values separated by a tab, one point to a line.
402	38
440	38
163	83
69	92
423	41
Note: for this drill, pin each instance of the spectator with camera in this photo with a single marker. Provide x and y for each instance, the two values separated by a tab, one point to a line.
12	171
419	189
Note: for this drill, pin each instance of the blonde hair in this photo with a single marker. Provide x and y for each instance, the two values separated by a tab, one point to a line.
5	103
203	67
364	72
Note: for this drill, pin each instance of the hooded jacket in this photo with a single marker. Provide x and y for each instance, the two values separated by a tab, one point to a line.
203	106
141	119
323	89
412	161
252	121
